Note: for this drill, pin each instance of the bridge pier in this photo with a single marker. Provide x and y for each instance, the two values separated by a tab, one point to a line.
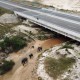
20	17
26	20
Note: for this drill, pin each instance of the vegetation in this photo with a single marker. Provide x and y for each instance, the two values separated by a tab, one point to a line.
2	11
42	37
5	28
29	3
66	79
6	66
39	78
12	44
69	11
56	67
42	34
67	46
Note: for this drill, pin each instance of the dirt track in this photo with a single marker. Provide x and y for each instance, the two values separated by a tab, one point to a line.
28	72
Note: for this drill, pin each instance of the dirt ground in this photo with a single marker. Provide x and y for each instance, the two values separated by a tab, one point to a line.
28	72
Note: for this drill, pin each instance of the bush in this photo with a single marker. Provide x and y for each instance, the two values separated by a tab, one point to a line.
14	43
42	37
67	46
18	42
6	66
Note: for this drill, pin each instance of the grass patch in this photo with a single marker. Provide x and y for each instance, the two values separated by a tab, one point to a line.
56	67
5	28
2	11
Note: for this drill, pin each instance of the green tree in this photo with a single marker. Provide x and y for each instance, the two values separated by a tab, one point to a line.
6	66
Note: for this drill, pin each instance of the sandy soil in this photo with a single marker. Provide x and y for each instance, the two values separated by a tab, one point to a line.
8	18
74	73
25	29
61	4
28	72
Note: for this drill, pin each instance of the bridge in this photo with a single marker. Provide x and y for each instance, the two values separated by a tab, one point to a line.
60	22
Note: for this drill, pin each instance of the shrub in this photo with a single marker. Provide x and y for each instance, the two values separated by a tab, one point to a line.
42	37
18	42
6	66
67	46
14	43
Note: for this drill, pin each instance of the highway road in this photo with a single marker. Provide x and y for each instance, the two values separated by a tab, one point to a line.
49	11
63	23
